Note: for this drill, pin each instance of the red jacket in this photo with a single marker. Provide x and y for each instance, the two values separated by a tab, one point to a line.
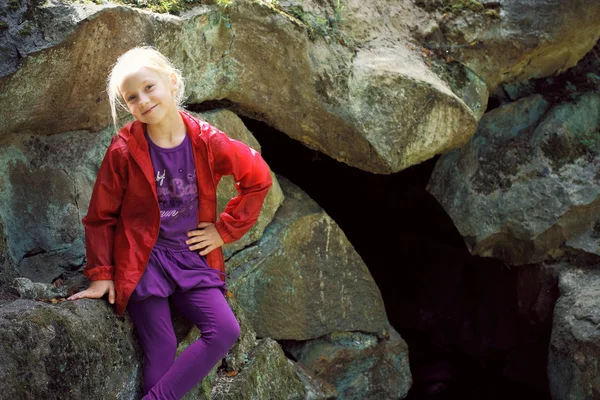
123	219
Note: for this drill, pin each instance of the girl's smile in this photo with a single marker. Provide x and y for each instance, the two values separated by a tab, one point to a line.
143	90
148	111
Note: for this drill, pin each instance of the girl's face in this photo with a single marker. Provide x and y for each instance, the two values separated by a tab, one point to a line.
148	96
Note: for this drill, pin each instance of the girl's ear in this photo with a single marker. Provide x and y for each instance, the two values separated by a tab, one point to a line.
173	82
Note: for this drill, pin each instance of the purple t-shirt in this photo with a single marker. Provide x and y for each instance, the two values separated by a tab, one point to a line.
177	190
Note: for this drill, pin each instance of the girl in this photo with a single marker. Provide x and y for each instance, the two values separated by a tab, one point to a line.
151	229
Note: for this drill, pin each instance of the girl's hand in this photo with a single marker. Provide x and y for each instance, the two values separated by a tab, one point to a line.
96	290
206	237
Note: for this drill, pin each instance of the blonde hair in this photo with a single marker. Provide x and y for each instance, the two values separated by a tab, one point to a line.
132	60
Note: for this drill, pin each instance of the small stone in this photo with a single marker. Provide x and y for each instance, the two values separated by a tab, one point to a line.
38	290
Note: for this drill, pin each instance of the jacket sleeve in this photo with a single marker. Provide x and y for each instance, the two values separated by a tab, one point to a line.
103	214
252	181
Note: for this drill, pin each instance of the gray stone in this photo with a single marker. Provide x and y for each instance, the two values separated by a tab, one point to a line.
377	106
46	183
316	388
516	40
267	375
31	26
526	189
48	265
37	290
66	351
359	365
303	278
575	343
82	349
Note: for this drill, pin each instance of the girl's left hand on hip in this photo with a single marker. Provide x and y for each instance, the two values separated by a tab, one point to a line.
206	237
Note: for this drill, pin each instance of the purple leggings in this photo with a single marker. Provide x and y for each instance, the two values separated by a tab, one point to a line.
164	377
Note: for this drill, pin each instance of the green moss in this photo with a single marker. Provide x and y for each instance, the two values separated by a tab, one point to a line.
3	25
26	29
591	141
13	5
316	25
326	26
459	6
501	161
223	12
562	150
158	6
495	14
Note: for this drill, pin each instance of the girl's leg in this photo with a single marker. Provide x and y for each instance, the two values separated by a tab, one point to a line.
209	311
152	321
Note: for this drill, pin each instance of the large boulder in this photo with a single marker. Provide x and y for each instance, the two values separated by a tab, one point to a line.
376	106
513	40
583	77
526	188
46	188
574	350
303	279
67	351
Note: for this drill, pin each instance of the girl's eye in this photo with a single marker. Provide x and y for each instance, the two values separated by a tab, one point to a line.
130	98
149	86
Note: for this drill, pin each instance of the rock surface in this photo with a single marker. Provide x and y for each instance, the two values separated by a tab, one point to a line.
575	344
237	357
377	106
267	375
66	351
46	187
303	279
38	291
359	365
526	189
514	40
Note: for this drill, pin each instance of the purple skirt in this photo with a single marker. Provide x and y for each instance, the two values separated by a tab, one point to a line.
169	271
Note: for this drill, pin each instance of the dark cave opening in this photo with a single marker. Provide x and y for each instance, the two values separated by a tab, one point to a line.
422	266
458	313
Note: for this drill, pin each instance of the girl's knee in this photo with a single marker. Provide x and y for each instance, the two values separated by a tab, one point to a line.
234	331
230	333
226	331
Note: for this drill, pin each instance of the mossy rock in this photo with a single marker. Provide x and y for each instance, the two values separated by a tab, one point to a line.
67	350
267	375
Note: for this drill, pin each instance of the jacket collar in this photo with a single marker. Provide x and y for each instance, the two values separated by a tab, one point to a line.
133	133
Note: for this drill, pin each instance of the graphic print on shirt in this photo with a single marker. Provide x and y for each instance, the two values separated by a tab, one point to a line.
177	194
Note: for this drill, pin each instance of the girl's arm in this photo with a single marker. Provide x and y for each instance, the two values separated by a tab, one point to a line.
253	180
103	213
